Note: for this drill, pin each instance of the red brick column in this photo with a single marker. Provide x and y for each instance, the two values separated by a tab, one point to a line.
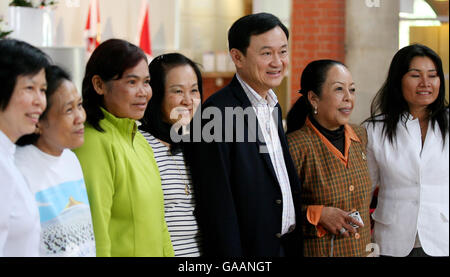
210	86
317	32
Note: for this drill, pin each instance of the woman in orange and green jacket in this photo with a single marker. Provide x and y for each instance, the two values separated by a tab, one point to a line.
330	158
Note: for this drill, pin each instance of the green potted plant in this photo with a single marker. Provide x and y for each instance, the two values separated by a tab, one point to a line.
33	3
32	21
3	33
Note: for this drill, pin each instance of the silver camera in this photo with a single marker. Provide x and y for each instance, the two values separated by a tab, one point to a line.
356	216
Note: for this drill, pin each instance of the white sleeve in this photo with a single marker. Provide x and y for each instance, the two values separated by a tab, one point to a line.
371	158
7	187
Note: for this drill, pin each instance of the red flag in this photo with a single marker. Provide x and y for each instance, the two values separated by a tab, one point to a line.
92	29
144	30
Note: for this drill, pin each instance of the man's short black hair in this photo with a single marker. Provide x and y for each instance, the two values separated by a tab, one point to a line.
250	25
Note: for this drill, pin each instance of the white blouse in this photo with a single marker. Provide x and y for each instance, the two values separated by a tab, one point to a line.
413	198
19	216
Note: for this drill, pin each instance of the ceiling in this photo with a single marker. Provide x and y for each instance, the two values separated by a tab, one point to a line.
440	7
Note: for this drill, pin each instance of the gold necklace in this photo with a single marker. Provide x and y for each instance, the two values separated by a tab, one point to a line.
187	188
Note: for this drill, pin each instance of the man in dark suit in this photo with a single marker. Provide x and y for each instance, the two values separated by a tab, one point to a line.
246	187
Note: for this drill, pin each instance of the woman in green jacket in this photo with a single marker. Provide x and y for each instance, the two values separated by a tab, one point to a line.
121	175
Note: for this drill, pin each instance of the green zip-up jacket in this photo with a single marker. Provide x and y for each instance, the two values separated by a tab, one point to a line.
124	190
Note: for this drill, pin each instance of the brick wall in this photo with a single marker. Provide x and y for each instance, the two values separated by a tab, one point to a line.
317	32
210	86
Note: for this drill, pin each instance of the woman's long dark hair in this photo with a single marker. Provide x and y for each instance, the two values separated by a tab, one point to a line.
313	77
152	121
109	61
389	105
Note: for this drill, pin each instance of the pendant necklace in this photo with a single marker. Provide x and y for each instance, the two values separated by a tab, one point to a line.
186	182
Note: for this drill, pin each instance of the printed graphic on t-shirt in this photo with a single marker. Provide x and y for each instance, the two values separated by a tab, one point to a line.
65	221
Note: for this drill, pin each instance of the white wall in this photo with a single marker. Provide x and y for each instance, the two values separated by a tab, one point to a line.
4	7
204	25
119	19
188	26
280	8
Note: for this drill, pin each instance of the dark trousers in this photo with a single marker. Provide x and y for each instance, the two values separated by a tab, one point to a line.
282	251
418	252
291	245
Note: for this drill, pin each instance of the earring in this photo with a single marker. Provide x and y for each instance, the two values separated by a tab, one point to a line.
315	110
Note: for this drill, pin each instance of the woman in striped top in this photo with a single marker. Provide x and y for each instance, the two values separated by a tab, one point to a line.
177	91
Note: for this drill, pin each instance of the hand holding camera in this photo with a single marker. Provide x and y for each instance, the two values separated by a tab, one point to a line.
339	222
354	216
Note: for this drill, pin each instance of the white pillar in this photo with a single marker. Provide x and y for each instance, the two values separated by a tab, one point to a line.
371	42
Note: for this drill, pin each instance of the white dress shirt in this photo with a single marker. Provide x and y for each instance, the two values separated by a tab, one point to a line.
19	216
413	198
264	110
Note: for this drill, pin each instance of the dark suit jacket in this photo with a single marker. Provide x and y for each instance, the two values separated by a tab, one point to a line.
238	198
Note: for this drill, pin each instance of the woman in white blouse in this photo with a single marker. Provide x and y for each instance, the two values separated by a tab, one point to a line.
408	156
22	101
176	83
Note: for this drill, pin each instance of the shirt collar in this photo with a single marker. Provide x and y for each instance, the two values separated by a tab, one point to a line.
351	133
348	130
255	98
350	136
126	126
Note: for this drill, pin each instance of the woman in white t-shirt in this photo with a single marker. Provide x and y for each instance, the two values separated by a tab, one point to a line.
54	174
22	101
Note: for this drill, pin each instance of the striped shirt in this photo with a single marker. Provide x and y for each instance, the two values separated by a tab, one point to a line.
178	205
264	110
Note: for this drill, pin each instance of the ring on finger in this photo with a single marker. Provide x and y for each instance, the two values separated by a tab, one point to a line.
342	230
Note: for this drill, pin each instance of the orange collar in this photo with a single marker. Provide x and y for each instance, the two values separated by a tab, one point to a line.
349	135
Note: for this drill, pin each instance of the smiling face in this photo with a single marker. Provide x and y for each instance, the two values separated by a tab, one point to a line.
265	63
27	103
181	95
128	96
63	125
420	85
335	104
